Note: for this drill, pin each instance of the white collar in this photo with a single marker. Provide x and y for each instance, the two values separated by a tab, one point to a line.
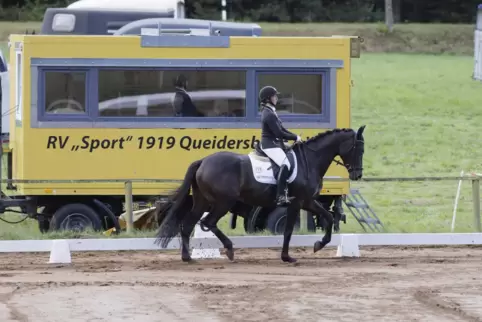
270	106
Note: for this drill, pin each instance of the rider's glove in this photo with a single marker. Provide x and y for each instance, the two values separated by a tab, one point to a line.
298	138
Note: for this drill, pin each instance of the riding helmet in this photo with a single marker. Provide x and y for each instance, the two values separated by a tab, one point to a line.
266	92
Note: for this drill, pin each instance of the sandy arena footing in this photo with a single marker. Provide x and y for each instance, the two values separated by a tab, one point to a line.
386	284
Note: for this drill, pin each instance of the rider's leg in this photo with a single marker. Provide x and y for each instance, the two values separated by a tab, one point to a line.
282	191
279	157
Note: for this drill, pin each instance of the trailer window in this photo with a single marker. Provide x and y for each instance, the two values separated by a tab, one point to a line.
299	93
159	93
65	92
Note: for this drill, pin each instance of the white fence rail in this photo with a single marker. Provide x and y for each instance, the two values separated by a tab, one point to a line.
247	242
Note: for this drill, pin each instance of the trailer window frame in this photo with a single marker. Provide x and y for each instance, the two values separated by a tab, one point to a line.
323	116
41	97
326	119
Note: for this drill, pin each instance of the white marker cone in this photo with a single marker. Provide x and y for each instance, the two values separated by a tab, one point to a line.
348	246
60	252
199	253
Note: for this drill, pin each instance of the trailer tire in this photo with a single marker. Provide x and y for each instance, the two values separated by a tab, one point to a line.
75	217
254	221
276	222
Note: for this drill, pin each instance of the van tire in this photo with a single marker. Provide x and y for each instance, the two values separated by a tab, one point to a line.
75	217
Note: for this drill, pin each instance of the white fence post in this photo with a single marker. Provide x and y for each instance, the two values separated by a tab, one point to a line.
303	220
476	202
478	45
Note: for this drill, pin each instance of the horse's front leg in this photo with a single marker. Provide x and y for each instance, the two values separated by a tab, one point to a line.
315	207
339	215
291	215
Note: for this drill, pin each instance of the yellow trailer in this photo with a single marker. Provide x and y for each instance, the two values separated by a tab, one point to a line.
101	106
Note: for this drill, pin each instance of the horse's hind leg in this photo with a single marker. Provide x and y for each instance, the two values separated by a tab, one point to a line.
210	222
200	205
315	207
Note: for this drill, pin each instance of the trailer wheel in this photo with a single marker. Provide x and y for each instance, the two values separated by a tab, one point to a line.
276	222
75	217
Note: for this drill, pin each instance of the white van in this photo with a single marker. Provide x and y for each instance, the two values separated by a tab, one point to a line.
177	6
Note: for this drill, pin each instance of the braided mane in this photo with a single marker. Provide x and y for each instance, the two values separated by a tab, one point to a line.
327	133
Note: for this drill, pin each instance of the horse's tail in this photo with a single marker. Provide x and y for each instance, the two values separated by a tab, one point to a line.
161	210
169	215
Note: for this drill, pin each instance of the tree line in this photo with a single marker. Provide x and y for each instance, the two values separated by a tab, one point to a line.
409	11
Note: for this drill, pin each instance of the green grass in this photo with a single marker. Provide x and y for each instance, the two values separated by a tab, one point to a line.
423	119
28	230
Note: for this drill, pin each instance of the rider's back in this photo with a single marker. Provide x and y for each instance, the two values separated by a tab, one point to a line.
270	126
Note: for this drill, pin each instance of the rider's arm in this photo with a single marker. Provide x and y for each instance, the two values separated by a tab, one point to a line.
277	129
287	132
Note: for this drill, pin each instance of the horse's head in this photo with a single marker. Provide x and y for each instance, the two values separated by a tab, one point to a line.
346	143
351	153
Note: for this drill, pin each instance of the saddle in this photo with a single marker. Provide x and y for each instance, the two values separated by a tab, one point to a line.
260	153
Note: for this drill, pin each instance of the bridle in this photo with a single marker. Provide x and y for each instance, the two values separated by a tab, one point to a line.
348	166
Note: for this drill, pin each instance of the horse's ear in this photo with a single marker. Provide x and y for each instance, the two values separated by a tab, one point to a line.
359	133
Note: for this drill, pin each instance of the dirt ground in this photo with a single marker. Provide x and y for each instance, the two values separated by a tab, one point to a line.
385	284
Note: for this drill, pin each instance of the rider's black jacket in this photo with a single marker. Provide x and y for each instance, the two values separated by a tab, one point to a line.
272	130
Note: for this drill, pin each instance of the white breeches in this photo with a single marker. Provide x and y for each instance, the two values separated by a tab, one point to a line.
278	156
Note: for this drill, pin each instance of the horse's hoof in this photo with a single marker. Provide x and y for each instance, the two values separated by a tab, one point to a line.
230	254
288	259
318	246
187	259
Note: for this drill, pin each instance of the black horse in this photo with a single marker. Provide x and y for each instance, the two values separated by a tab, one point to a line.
226	180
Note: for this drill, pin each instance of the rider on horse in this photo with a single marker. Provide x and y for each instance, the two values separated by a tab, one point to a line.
272	135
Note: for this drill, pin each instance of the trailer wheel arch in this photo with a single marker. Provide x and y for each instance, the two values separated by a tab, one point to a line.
278	216
108	212
83	215
255	220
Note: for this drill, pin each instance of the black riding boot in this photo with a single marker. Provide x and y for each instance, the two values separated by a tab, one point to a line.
282	192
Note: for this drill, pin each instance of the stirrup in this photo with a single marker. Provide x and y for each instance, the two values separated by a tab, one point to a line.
283	200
